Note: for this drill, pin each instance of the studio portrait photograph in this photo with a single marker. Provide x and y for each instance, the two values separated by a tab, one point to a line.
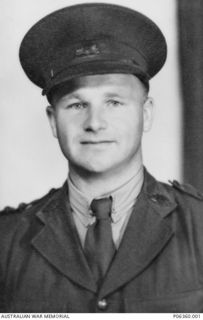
101	167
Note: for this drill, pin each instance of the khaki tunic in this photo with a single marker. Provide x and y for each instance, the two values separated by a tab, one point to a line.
158	266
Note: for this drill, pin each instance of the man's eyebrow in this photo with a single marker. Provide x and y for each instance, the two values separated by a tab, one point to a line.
75	95
72	95
114	95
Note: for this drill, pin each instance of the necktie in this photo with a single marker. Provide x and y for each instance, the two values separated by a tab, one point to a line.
99	246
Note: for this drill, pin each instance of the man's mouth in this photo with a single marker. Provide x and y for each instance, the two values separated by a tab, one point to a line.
97	142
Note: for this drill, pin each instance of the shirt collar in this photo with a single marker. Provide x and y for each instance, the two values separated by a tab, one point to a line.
124	198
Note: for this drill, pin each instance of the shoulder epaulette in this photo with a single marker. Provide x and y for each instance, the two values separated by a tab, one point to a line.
187	188
24	206
8	209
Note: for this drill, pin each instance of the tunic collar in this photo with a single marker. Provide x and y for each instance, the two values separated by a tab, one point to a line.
124	198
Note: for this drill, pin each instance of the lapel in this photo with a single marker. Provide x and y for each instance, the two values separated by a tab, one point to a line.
58	241
147	232
149	229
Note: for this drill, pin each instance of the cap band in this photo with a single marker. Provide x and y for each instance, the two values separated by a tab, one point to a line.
91	57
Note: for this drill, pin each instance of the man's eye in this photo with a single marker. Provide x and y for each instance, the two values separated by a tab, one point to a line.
114	103
77	105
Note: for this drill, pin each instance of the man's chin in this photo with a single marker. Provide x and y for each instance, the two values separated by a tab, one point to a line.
91	168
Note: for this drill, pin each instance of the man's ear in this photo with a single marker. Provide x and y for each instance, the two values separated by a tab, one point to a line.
148	109
51	114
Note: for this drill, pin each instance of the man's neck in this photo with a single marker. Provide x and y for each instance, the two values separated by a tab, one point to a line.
96	185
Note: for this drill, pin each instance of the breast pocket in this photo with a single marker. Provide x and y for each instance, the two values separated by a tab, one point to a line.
191	302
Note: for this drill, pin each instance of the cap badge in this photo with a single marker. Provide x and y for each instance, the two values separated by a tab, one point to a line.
87	51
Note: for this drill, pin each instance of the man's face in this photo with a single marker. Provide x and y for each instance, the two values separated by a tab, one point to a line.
100	121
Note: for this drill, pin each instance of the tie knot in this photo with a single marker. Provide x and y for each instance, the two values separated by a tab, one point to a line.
101	208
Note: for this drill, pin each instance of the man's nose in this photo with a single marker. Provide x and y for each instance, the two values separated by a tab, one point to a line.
95	119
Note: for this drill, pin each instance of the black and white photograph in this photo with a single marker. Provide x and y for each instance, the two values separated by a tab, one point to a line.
101	170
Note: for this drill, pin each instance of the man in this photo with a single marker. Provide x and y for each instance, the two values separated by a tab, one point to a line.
112	239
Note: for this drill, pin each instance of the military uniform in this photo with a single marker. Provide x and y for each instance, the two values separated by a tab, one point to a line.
159	263
158	266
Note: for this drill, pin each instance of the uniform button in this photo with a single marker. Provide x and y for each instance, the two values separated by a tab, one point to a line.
102	304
